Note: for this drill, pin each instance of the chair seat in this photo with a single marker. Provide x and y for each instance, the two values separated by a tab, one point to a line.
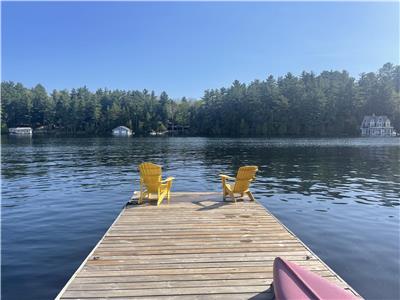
163	187
232	189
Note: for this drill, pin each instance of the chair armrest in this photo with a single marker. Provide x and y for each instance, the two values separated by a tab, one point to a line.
168	179
226	177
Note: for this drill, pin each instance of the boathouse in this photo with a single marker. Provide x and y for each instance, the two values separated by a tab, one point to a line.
122	131
376	126
20	131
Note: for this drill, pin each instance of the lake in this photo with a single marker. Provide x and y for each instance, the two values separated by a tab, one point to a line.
59	196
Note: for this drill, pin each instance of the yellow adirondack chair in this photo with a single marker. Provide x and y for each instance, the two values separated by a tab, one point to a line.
152	183
243	178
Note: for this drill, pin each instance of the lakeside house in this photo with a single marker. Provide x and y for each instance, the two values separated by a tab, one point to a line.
377	126
173	128
20	131
122	131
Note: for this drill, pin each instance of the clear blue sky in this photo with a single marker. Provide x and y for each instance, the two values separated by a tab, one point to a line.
185	48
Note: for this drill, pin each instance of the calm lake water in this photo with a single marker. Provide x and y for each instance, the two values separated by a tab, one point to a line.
59	196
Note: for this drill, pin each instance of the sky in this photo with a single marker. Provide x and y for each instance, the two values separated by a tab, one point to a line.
184	48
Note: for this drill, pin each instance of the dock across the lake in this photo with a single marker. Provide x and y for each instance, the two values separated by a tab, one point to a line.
198	247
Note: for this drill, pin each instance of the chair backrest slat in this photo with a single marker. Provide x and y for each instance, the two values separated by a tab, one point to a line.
243	178
150	176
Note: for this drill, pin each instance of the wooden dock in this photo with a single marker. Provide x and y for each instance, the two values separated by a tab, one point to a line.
198	247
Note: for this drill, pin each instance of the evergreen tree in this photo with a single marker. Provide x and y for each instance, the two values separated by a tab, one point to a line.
329	104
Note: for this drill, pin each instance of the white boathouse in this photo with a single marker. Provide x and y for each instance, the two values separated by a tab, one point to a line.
20	131
122	131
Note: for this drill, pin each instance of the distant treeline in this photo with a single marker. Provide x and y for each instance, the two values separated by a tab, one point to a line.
329	104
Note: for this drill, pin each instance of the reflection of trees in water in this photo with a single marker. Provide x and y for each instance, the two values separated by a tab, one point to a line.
13	168
368	174
18	157
332	172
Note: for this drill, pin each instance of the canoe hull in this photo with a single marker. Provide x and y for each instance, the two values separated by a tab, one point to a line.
294	282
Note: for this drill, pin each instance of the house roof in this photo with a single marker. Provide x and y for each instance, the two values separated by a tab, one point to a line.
367	119
121	127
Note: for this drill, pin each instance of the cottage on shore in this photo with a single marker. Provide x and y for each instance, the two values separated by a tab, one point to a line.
376	126
122	131
20	131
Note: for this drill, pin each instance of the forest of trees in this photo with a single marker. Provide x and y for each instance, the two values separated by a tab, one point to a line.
329	104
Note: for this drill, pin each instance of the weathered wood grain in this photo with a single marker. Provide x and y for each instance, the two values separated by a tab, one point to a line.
198	247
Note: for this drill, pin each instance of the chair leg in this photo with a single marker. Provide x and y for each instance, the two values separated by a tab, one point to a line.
223	190
224	193
250	195
168	196
159	198
232	196
140	195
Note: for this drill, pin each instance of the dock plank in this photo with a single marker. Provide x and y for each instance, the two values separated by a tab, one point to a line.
198	247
